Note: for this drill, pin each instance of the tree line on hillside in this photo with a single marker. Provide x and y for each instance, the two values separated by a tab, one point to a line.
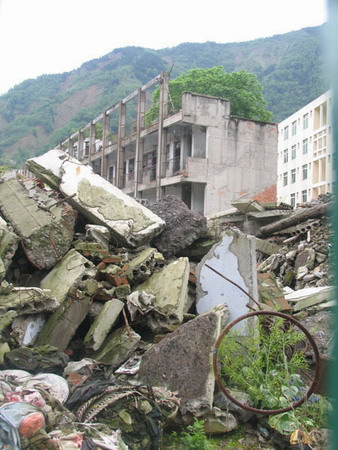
288	67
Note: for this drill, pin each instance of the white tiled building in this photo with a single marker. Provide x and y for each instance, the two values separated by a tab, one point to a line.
305	153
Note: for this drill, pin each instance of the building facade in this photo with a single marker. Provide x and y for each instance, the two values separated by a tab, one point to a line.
305	153
200	153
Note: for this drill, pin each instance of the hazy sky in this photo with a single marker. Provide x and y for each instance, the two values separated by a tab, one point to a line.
54	36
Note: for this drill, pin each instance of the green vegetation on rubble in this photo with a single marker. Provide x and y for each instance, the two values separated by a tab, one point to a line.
269	364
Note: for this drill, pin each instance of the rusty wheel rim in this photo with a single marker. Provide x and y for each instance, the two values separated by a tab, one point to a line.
226	392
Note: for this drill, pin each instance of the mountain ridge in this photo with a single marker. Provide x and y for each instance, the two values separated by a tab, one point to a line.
38	113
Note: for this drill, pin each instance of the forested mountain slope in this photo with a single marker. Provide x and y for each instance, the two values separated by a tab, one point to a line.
36	114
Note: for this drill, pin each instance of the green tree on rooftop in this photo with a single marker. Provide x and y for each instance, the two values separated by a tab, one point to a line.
242	89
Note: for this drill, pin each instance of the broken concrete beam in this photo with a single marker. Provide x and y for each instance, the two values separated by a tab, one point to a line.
234	256
28	301
118	347
297	217
9	242
103	324
62	325
71	270
170	287
46	234
304	298
182	362
97	199
183	226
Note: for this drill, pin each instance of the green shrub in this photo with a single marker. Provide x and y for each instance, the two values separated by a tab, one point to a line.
193	439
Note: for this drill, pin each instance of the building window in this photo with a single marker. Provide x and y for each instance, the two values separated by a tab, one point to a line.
304	196
293	199
294	128
286	133
131	168
293	176
305	121
285	178
305	146
304	171
293	152
286	155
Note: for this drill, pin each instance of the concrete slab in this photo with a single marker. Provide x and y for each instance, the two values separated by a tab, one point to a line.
97	199
170	287
234	256
270	293
62	325
304	298
9	242
69	271
118	347
28	301
246	206
103	324
182	362
46	235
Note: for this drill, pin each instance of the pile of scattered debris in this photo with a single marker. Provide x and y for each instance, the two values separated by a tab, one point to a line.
107	328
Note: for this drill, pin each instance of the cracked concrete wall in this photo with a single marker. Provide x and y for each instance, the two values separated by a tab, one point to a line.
234	256
241	162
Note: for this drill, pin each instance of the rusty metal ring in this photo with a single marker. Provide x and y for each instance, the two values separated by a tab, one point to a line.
250	408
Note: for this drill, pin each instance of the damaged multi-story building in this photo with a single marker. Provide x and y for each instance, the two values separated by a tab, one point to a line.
199	153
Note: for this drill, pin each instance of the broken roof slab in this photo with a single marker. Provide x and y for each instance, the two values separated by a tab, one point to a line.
97	199
9	242
45	236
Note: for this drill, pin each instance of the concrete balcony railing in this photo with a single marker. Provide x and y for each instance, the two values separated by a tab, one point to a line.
195	170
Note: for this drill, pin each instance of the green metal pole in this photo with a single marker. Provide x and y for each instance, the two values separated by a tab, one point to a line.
333	64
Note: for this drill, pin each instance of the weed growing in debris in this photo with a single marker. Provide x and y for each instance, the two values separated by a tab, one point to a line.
266	363
193	439
262	362
311	415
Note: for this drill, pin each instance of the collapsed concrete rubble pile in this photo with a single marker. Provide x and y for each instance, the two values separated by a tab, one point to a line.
107	328
83	296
